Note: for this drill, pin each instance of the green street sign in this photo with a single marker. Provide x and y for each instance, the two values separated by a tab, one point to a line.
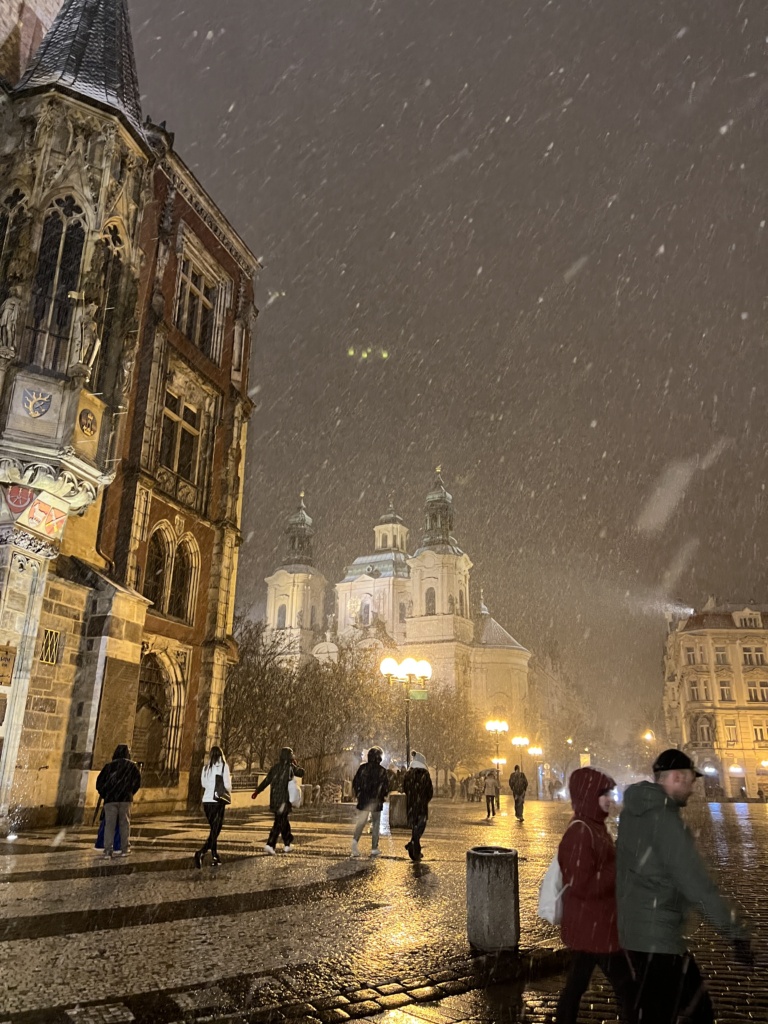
418	694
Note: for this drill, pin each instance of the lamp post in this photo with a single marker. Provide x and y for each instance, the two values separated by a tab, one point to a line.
536	753
497	730
407	671
520	742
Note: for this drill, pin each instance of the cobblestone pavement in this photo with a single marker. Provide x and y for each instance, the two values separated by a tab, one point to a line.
311	934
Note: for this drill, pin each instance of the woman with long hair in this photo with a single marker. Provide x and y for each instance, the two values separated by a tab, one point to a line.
213	806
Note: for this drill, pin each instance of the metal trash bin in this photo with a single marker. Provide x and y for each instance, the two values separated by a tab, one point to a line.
398	812
493	898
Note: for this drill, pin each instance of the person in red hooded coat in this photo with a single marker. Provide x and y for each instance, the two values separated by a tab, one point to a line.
587	859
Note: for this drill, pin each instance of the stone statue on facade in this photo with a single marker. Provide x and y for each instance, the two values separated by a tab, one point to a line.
10	314
86	342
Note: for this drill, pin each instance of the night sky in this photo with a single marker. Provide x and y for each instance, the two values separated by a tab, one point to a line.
552	219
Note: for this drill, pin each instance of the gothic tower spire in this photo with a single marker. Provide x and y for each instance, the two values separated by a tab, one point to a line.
88	53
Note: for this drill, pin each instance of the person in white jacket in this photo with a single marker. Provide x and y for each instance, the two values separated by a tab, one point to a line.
214	808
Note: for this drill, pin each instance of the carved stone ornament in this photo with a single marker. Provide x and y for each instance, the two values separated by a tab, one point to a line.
12	536
42	476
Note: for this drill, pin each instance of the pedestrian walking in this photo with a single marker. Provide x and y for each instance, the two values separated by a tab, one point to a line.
117	784
277	778
417	786
452	785
518	784
491	789
478	788
660	874
587	859
216	796
370	785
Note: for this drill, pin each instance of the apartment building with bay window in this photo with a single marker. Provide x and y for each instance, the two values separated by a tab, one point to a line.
716	695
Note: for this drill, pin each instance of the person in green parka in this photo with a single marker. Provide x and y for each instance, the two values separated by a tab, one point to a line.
659	876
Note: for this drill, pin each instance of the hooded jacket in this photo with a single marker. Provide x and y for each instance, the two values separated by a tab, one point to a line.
587	859
417	786
120	778
660	874
278	778
371	782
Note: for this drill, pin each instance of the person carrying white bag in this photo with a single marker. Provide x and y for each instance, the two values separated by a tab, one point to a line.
281	780
579	894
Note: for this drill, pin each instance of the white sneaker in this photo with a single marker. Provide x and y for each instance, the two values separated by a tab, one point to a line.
269	849
287	849
376	852
355	851
107	855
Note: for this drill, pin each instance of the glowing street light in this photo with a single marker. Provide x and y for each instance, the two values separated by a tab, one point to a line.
649	736
406	672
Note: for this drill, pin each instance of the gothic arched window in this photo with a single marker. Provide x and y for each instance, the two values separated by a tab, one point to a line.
110	284
179	601
57	274
12	212
155	573
281	615
429	601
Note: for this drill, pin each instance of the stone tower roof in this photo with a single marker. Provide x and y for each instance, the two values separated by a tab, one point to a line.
88	53
492	634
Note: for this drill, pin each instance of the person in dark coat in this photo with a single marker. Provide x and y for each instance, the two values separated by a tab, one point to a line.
117	784
587	859
518	783
278	777
660	875
417	786
370	786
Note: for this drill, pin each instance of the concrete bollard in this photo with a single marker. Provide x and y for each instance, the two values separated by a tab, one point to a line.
398	816
493	898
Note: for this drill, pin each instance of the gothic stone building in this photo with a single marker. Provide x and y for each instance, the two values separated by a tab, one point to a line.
126	314
414	605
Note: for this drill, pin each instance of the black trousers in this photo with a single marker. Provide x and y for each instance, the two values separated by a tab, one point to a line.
671	990
490	806
214	812
519	806
617	969
280	827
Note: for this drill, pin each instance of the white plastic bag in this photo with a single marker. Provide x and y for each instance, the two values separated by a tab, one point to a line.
551	893
294	793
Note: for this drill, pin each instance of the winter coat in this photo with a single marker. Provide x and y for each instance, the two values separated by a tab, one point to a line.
370	785
491	787
208	780
278	778
660	874
587	859
417	786
518	783
119	779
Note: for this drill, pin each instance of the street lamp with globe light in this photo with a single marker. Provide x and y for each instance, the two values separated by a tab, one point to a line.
406	672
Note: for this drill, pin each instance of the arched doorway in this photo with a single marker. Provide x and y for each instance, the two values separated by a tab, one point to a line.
156	730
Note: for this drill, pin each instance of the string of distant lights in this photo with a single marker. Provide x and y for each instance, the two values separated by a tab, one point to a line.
367	353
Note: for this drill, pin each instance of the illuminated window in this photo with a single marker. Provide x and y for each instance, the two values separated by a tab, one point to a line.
725	690
694	689
690	655
758	729
705	731
752	691
49	653
721	656
731	733
748	655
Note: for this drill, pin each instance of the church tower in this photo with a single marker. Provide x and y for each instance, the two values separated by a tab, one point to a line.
375	590
296	591
440	589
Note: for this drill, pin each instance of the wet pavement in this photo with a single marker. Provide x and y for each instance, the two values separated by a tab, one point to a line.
310	934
